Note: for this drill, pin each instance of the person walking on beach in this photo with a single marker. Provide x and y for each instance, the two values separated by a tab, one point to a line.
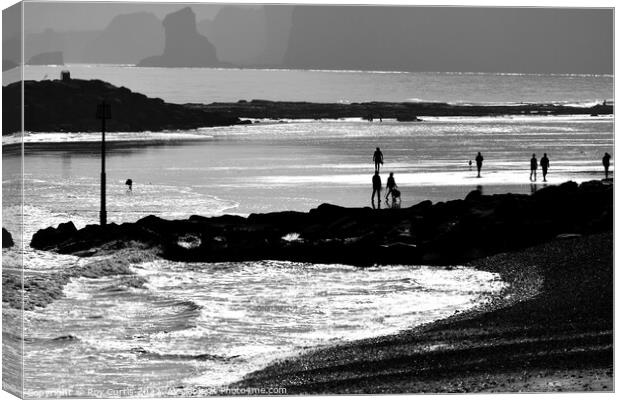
479	160
376	188
544	164
533	167
378	159
390	186
606	158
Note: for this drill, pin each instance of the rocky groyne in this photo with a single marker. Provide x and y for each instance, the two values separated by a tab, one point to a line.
443	233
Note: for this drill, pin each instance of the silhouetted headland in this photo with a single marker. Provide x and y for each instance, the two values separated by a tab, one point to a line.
69	106
443	233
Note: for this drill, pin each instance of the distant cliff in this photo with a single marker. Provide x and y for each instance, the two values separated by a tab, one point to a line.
444	39
277	29
69	106
127	39
238	34
70	43
49	58
184	46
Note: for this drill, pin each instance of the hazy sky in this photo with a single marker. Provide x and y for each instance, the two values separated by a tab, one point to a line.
404	38
72	16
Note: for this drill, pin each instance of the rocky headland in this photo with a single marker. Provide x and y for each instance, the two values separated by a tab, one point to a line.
402	111
449	232
70	106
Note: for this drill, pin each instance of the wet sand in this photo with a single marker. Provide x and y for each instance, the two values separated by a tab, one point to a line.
552	330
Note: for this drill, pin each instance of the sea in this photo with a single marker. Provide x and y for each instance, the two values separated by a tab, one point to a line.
166	328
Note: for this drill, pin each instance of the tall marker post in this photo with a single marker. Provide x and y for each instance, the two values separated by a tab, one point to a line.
103	113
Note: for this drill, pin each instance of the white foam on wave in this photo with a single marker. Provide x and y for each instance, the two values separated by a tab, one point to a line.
263	311
95	137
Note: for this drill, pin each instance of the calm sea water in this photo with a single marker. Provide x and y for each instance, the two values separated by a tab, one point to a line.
205	85
208	324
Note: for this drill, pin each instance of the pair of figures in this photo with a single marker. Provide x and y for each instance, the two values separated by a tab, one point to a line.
391	187
391	190
544	165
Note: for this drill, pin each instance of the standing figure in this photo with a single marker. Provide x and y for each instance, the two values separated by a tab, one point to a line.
129	184
376	188
390	186
606	158
470	164
533	167
544	164
378	159
479	160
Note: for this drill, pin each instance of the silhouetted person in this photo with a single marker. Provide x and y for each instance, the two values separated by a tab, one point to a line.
470	163
606	158
129	184
479	160
390	186
533	167
378	159
544	164
376	188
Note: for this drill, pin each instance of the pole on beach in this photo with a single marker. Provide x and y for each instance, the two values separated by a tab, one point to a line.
103	113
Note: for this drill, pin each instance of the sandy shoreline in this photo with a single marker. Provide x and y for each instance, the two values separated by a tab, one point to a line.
553	331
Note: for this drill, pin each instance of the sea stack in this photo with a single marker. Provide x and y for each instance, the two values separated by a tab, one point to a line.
184	46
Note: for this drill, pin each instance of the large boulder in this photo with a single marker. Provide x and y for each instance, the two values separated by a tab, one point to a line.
51	237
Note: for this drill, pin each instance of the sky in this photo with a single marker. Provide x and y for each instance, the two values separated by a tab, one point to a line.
78	16
425	38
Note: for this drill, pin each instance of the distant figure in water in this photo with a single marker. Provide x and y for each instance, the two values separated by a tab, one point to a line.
470	163
533	167
544	164
606	158
391	188
479	160
378	159
129	184
376	188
